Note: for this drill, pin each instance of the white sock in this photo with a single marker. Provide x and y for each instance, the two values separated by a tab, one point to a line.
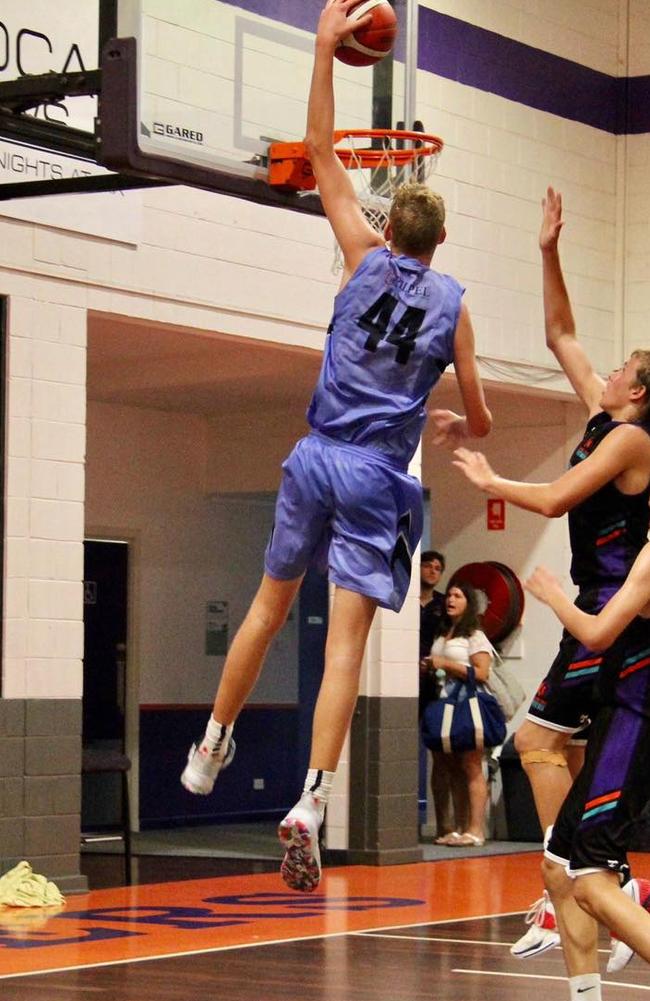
217	734
319	784
585	987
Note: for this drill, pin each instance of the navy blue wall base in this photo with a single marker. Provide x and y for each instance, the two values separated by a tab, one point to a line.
267	749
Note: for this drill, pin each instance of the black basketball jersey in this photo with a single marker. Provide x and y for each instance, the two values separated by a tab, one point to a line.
608	529
624	677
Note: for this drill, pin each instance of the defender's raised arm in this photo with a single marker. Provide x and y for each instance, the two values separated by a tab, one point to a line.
558	316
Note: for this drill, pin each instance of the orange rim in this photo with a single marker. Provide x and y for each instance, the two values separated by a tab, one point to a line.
354	156
289	165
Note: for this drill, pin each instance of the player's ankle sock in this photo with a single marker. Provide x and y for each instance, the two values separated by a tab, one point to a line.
585	987
217	734
319	784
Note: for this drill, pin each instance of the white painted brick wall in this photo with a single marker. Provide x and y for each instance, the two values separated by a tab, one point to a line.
45	490
217	263
639	38
48	560
637	197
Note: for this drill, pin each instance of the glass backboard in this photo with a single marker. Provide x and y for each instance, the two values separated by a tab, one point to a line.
219	79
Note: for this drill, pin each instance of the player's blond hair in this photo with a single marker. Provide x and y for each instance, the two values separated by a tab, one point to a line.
416	217
642	359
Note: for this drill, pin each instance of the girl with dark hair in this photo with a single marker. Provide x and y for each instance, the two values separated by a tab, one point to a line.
462	643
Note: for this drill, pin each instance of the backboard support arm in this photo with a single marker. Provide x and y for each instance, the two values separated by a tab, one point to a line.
114	143
27	92
95	183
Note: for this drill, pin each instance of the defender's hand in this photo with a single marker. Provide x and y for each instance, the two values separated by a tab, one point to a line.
475	467
551	220
543	584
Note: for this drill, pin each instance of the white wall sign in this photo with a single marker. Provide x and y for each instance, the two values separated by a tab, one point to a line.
37	36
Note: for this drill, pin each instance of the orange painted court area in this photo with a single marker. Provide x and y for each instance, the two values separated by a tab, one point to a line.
145	922
174	918
200	915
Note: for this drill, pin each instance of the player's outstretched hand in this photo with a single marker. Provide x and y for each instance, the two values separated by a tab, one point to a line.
449	429
333	25
475	467
552	221
543	584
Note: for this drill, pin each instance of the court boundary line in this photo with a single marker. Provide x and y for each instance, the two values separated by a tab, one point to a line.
547	976
454	941
250	945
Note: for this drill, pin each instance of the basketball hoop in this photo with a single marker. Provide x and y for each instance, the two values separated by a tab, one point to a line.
394	157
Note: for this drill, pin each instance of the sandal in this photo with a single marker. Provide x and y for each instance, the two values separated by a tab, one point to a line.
448	839
468	840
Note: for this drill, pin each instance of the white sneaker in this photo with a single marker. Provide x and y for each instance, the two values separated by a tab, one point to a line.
542	934
204	764
621	954
298	833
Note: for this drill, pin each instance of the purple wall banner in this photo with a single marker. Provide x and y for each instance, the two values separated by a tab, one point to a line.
483	59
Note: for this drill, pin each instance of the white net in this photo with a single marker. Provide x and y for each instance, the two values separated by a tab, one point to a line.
376	186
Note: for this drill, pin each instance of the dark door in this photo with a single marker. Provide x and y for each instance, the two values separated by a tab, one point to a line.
104	692
105	597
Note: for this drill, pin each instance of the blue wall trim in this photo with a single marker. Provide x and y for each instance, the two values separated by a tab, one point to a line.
636	100
491	62
267	744
303	14
482	59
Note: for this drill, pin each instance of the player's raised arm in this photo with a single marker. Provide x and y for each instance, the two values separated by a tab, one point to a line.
354	234
597	632
616	456
558	316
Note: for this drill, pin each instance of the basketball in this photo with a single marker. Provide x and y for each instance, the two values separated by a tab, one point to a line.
370	44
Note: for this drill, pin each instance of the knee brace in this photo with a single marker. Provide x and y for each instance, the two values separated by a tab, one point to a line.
542	756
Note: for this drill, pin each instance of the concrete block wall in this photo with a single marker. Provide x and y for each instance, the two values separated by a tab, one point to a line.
501	154
40	761
636	230
384	749
45	452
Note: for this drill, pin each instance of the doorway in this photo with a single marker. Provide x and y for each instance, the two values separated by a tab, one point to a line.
106	567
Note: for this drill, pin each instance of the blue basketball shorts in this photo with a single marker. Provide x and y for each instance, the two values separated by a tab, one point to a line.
350	511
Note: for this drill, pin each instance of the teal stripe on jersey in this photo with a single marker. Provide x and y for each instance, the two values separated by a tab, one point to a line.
636	657
600	809
582	673
610	528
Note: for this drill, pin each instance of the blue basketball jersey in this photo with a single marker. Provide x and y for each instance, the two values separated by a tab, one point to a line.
389	341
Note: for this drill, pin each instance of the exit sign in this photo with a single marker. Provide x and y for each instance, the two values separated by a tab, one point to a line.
496	514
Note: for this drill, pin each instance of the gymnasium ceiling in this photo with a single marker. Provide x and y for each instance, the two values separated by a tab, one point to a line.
134	363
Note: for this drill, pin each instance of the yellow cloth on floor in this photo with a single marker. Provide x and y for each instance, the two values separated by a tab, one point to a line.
22	887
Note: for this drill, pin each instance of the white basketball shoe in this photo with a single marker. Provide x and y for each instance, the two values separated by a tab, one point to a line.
542	934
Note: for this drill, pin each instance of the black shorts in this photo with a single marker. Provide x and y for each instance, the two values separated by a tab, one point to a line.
595	824
565	700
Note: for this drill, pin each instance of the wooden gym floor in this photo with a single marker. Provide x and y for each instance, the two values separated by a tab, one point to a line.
436	930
